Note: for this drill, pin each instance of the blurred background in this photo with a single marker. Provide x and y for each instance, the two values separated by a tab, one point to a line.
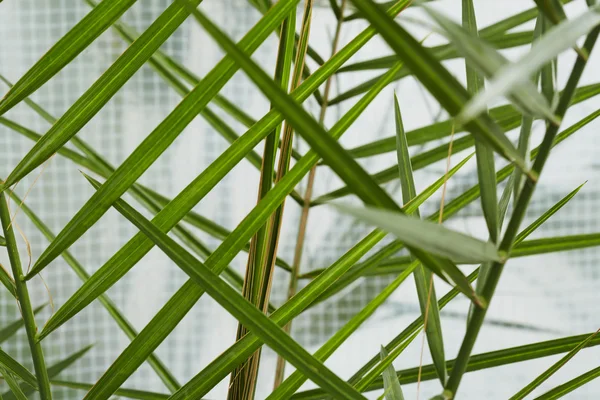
539	298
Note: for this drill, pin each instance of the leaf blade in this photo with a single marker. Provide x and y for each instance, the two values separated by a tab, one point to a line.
65	50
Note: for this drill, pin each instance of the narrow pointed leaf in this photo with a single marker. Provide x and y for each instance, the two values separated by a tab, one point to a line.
391	386
479	362
12	384
554	42
9	330
487	61
568	387
53	371
294	381
13	366
442	85
160	138
427	235
101	91
164	374
423	277
550	371
130	35
66	49
506	116
123	392
241	309
486	170
8	281
182	204
325	145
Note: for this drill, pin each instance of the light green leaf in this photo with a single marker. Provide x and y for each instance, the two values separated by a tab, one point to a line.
554	42
429	236
423	277
160	138
442	85
391	386
488	61
65	50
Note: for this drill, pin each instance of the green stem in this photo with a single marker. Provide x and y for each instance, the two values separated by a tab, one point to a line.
511	231
24	301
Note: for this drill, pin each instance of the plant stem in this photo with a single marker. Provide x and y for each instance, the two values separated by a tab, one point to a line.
280	368
511	231
24	301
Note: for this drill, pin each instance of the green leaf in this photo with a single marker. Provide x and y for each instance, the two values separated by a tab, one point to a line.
571	385
201	383
391	386
137	247
53	371
101	91
442	85
8	281
2	241
163	373
289	386
560	204
65	50
13	366
550	371
160	138
324	144
413	328
479	362
436	154
488	61
12	384
429	236
486	170
554	42
163	60
152	200
9	330
238	307
506	116
423	277
123	392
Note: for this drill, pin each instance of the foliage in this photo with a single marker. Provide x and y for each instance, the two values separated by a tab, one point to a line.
528	84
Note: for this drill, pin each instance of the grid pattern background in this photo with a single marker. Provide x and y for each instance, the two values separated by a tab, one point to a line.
556	298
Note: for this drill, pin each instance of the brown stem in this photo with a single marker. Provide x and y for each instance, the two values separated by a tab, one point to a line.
280	368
